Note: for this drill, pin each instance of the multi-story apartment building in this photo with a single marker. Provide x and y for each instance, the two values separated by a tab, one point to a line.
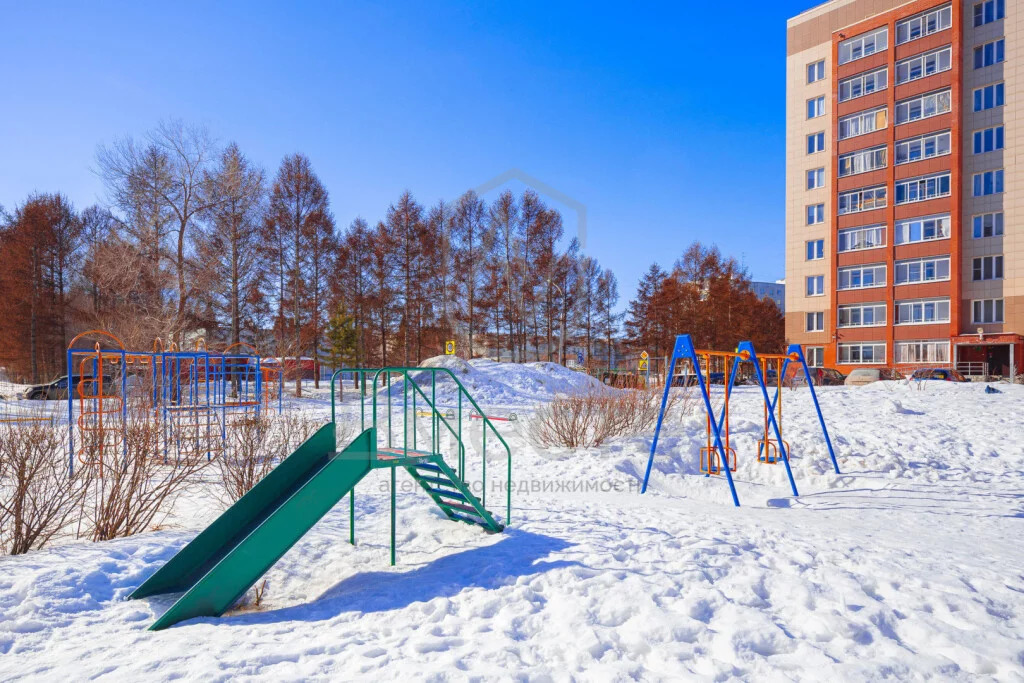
904	192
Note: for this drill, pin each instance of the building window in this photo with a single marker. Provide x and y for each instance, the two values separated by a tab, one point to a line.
922	352
863	122
922	311
862	161
862	353
815	214
923	65
856	239
816	107
988	140
815	322
924	147
863	45
862	315
925	24
815	356
989	97
816	71
989	54
987	311
816	285
864	199
989	182
988	225
924	229
863	84
987	268
989	11
816	142
815	250
923	107
862	277
921	189
815	178
922	270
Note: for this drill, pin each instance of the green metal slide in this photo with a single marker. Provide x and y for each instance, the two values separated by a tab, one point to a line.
227	558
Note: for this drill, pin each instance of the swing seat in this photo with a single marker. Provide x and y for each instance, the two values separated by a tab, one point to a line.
711	462
768	451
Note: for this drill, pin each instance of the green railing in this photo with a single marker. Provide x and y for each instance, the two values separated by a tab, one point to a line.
383	378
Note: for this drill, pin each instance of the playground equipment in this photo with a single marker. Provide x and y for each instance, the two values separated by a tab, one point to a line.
230	555
512	417
193	394
710	463
717	449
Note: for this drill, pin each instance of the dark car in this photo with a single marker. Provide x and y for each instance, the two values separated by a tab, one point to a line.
941	374
58	388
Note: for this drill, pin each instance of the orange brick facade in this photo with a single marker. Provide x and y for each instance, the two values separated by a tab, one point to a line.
818	34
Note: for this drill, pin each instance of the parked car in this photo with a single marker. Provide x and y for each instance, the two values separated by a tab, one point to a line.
862	376
941	374
821	377
58	388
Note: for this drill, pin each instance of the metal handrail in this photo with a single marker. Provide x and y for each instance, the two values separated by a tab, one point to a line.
405	372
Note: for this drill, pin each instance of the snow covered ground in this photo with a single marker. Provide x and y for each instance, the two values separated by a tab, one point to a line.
909	565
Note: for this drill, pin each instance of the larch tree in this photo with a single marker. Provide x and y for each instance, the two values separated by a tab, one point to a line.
609	319
588	310
468	228
504	225
383	296
440	228
351	288
229	245
405	222
298	206
323	256
98	227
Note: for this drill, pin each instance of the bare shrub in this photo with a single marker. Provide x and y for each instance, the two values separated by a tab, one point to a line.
136	485
38	496
296	427
256	444
258	593
248	456
589	419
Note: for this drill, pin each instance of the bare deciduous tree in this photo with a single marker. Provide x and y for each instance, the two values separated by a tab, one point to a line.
166	180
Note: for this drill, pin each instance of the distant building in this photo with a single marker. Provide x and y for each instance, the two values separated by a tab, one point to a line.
776	291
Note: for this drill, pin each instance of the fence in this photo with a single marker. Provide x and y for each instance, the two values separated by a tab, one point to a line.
973	369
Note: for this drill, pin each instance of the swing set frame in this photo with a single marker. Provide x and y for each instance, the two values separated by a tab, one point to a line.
717	449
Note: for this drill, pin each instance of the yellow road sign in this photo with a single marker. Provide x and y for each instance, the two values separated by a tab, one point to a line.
449	347
643	354
643	364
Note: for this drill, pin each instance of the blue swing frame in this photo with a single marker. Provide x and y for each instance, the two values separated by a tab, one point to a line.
685	350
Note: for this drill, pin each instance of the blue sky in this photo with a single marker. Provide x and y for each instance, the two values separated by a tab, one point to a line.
666	122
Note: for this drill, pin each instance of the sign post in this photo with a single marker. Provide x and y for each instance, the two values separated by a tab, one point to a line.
644	366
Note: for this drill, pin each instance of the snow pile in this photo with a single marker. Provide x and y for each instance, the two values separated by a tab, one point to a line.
906	566
500	384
